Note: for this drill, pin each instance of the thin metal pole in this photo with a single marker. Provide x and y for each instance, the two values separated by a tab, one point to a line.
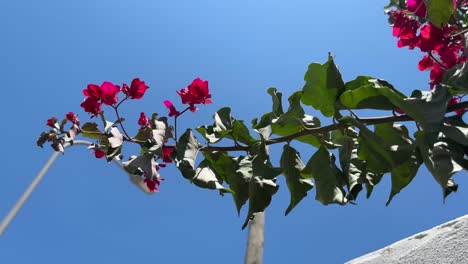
24	197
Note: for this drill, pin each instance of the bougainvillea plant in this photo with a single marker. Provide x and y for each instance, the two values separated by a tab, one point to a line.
350	154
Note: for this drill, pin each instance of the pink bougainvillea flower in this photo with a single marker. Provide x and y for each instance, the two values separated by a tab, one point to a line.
137	89
172	110
430	37
52	122
109	93
153	184
92	106
72	117
426	63
144	121
196	93
405	28
436	75
99	153
417	6
167	151
456	100
93	91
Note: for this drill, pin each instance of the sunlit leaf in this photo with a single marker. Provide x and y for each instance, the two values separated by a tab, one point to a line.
323	86
439	11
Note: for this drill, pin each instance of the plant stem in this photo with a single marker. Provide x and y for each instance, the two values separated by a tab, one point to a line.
175	122
367	121
120	123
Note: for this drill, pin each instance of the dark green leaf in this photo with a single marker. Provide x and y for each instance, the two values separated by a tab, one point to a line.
111	152
457	78
237	172
458	134
323	86
328	178
260	192
403	174
261	165
241	133
292	166
439	160
143	165
226	126
428	109
354	169
206	178
277	110
91	130
42	139
295	120
186	153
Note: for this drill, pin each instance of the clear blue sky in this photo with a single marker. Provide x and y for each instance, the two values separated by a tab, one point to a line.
86	211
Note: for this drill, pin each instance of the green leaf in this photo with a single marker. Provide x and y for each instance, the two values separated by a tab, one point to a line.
161	131
457	77
403	174
261	191
328	178
354	169
277	110
458	134
206	178
439	11
235	171
143	165
241	133
91	130
439	160
186	151
261	165
144	134
323	86
374	150
262	175
373	180
226	126
428	109
295	120
292	166
111	153
370	93
407	160
42	139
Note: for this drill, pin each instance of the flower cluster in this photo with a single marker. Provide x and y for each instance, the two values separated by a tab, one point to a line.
443	49
107	94
196	93
153	135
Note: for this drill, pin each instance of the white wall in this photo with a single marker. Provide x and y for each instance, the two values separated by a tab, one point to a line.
443	244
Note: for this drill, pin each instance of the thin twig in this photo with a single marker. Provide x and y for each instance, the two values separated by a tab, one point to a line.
367	121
